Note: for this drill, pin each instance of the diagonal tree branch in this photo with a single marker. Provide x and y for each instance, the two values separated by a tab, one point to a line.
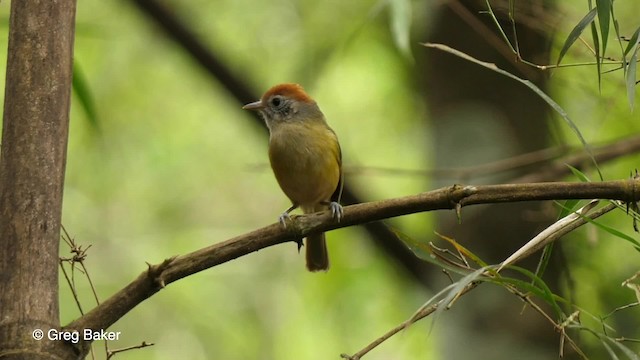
453	197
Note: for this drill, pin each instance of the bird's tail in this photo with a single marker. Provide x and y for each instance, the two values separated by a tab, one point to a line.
316	245
316	253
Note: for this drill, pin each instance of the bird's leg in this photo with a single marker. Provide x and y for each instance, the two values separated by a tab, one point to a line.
283	221
285	215
336	209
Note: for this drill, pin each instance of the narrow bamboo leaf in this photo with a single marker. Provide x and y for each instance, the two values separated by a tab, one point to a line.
542	290
462	250
629	353
616	233
541	267
612	353
522	285
631	45
423	251
605	339
633	41
596	49
576	32
631	76
567	207
420	249
604	16
84	96
401	25
579	174
616	29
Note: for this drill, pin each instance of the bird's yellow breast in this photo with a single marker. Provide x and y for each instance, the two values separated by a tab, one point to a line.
305	157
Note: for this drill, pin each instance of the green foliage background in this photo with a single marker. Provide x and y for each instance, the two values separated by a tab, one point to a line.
174	165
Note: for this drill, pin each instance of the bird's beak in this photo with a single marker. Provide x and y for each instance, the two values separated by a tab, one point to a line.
254	106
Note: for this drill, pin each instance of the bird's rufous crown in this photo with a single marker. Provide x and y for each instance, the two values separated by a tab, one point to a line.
289	90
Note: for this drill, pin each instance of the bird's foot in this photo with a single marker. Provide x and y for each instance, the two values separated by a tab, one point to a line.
336	210
284	218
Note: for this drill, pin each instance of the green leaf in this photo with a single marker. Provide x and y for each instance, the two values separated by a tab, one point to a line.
605	339
616	29
401	25
419	248
633	42
596	49
604	12
612	354
85	98
576	32
629	353
541	267
616	233
579	174
462	250
567	207
423	251
537	287
631	76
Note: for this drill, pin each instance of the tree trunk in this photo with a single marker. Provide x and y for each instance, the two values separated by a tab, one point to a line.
32	165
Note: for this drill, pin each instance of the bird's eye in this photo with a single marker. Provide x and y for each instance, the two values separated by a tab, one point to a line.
276	101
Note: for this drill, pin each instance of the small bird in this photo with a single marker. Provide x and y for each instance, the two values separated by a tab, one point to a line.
305	157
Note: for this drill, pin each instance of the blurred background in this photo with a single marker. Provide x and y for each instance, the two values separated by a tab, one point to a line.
162	161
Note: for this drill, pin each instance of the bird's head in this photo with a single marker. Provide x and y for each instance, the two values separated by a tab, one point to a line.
285	103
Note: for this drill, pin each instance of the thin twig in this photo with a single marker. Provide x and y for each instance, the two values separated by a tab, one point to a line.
417	317
619	308
112	353
71	286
